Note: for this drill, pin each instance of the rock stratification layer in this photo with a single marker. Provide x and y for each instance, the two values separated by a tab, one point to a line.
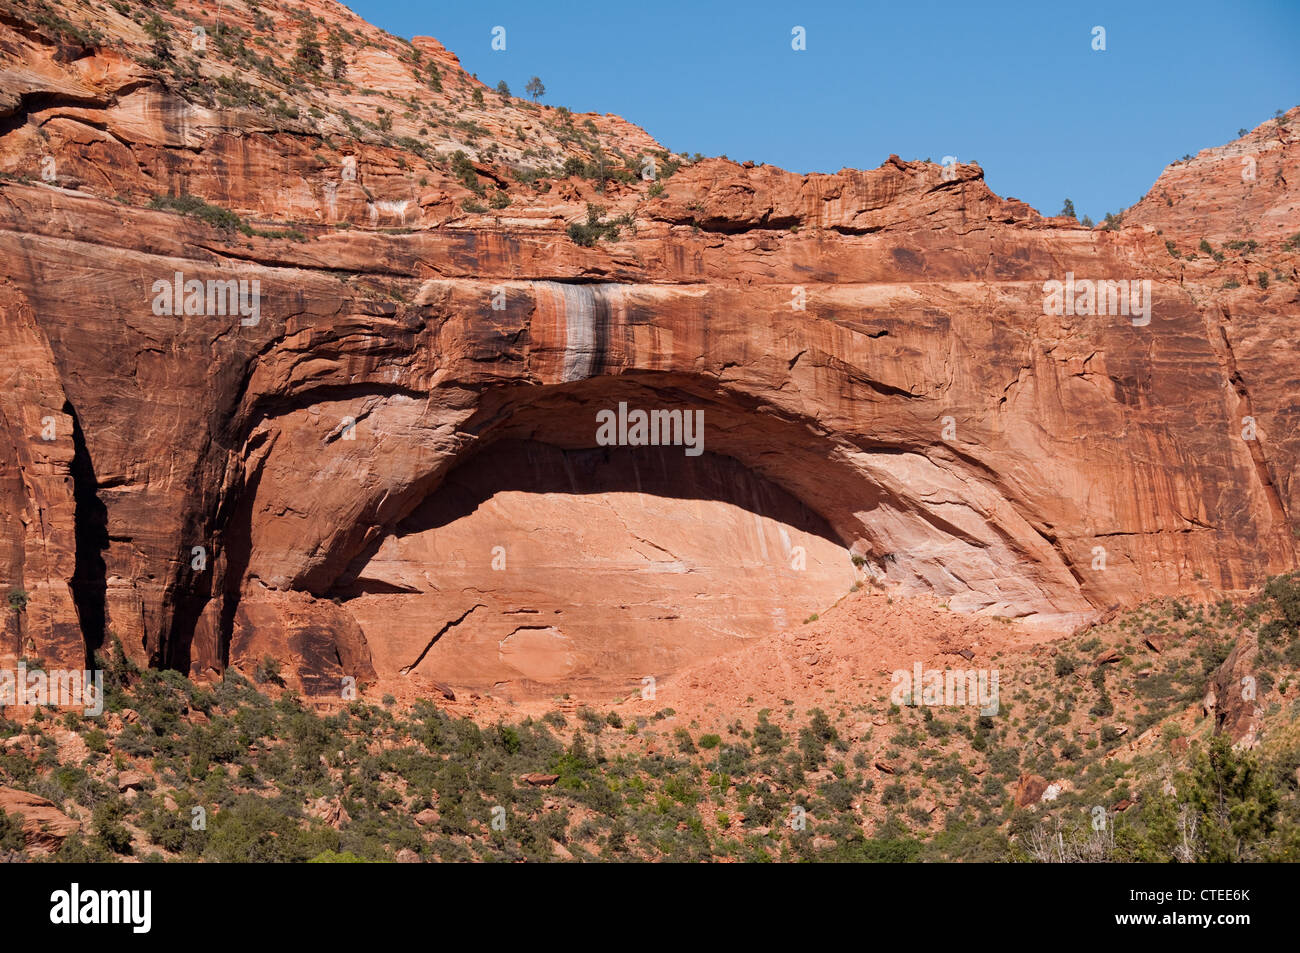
364	438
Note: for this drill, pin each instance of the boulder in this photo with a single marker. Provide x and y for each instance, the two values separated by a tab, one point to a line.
539	780
44	825
1029	789
1232	695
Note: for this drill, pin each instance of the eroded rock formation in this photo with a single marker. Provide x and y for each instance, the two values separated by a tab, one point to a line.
391	465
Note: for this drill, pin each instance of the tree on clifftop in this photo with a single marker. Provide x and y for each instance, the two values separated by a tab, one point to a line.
535	88
1067	209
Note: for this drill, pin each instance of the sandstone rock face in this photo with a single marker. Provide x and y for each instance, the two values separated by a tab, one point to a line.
393	466
44	825
1231	698
483	578
130	780
1228	192
1030	789
332	812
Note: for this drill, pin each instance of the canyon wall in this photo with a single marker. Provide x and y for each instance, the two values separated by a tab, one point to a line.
390	465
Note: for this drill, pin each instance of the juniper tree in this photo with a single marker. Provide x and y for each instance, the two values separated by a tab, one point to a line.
309	56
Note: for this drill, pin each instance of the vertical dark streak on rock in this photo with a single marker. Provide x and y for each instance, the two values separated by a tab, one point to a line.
89	577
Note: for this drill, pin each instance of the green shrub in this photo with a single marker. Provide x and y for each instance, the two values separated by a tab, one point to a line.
268	671
195	207
253	830
335	857
1235	800
594	229
463	168
768	737
308	56
1103	708
110	834
11	832
1283	592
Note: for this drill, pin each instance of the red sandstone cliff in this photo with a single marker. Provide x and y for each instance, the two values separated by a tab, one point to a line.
391	465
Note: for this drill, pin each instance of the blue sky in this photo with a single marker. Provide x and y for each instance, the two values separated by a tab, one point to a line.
1014	85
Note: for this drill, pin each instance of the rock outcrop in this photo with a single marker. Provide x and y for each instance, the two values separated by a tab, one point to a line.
365	437
45	827
1232	696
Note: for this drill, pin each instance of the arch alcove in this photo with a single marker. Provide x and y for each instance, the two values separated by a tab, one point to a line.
523	555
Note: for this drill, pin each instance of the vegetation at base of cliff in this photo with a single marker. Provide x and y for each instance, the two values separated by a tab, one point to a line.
272	779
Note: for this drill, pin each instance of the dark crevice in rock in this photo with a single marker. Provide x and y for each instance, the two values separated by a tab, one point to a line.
237	531
725	226
376	587
90	529
439	634
32	102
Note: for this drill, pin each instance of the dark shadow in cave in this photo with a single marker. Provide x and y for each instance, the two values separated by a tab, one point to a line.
530	466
